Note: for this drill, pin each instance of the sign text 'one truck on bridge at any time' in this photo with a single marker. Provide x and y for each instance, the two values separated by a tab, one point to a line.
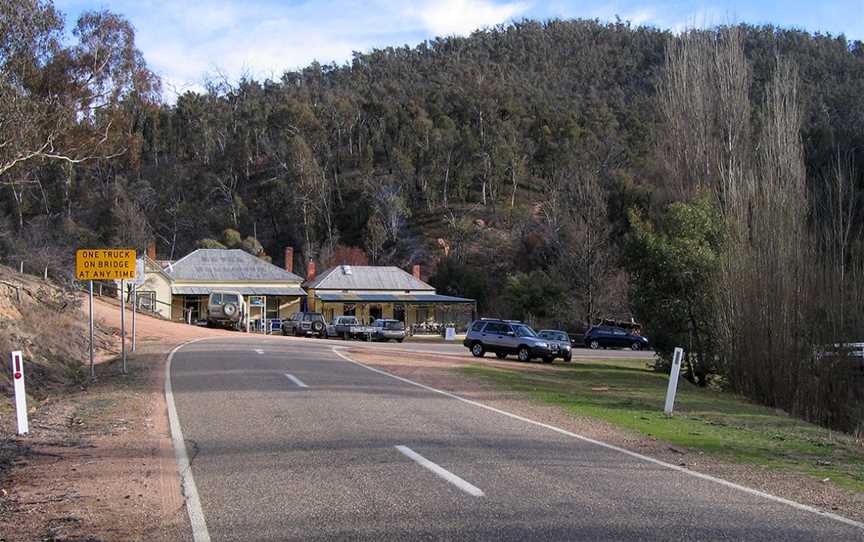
105	264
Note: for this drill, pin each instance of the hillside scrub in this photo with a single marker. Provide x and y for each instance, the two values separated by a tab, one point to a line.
517	148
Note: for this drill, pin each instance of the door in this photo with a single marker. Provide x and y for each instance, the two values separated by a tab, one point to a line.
492	336
619	337
375	313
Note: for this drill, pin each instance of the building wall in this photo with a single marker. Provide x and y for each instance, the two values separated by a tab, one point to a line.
158	283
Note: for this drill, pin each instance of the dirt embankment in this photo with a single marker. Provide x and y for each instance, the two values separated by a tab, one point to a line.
45	321
98	463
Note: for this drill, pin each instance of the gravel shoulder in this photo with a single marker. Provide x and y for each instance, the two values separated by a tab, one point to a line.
98	463
442	372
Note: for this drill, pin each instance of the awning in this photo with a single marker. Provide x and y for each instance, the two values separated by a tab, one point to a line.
245	290
347	297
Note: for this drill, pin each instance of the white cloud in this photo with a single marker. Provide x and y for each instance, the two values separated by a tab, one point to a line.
460	17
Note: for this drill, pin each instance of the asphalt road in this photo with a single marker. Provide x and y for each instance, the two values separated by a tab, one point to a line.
288	441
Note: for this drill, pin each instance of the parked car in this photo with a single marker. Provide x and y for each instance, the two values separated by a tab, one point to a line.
559	343
302	324
226	309
388	330
614	337
348	327
504	337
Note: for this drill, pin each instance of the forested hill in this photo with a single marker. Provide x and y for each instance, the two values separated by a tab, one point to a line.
515	151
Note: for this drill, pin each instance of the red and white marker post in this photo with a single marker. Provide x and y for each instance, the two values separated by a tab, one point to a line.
20	396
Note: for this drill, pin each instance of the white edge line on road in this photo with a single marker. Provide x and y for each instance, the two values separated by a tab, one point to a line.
440	471
190	490
726	483
296	380
259	351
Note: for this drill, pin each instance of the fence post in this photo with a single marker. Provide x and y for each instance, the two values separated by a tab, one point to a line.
21	267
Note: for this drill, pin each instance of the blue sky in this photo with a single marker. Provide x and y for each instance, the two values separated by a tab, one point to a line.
186	42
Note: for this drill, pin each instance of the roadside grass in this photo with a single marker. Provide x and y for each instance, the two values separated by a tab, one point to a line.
628	394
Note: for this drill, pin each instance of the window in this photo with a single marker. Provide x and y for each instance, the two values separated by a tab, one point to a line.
147	301
524	331
272	311
215	299
500	329
229	298
619	332
478	326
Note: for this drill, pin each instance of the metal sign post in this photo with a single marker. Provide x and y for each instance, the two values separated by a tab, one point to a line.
20	395
123	323
677	356
106	264
134	311
92	366
136	282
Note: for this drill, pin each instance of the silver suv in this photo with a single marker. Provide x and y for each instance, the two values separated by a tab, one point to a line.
505	337
226	308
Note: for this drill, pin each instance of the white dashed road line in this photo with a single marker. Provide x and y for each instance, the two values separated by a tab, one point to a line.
259	351
440	471
296	380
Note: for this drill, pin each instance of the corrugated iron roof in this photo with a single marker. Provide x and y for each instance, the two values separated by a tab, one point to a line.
234	265
245	290
335	297
367	277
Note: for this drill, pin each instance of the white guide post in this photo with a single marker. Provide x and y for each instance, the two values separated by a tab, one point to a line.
677	356
450	334
20	395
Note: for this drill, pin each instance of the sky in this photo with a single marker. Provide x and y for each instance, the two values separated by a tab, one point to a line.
187	42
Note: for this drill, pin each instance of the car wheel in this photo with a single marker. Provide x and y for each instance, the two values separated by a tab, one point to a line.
636	347
500	355
594	344
568	358
477	350
524	354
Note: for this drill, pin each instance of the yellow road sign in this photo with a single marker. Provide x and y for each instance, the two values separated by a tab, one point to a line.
105	264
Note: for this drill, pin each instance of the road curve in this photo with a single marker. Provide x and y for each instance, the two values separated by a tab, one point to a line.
288	441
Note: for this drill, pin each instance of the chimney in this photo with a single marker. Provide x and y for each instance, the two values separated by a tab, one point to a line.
151	249
289	259
416	271
310	270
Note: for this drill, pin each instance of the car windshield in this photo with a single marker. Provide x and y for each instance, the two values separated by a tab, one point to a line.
393	324
348	320
555	335
215	299
524	331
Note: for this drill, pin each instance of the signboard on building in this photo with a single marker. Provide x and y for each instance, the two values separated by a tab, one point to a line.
105	264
